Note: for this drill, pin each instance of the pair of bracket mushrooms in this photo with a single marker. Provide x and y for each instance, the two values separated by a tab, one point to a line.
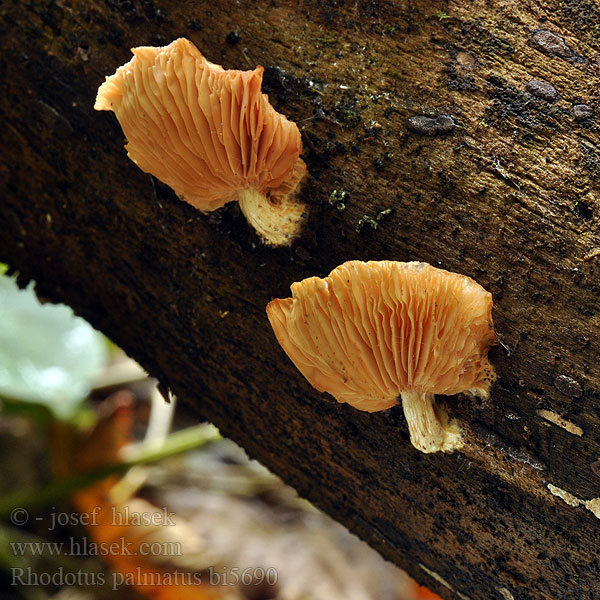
370	331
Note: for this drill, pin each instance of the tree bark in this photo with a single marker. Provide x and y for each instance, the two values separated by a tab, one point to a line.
506	192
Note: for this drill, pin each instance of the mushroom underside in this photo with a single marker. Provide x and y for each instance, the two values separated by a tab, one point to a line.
210	134
372	332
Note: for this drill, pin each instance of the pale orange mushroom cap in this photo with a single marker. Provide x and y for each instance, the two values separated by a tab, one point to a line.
373	331
210	134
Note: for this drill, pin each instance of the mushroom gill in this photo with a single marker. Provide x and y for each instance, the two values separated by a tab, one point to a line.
210	134
374	331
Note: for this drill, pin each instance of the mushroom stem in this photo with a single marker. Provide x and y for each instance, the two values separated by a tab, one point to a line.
277	220
430	428
277	215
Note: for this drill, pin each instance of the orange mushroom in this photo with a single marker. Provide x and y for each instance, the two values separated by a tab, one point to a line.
210	134
374	331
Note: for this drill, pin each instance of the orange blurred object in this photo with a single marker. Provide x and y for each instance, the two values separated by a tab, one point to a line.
422	593
130	534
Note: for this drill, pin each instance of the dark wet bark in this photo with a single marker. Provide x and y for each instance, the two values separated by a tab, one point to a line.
508	195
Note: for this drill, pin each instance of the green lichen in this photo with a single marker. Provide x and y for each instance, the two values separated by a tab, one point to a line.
382	214
366	220
338	198
373	222
390	30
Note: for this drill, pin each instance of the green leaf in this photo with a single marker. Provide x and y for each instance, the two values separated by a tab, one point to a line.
47	355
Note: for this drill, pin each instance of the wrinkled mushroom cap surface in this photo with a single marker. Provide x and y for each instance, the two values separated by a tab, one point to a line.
205	131
372	330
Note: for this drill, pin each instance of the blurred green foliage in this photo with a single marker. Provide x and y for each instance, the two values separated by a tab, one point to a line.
48	356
